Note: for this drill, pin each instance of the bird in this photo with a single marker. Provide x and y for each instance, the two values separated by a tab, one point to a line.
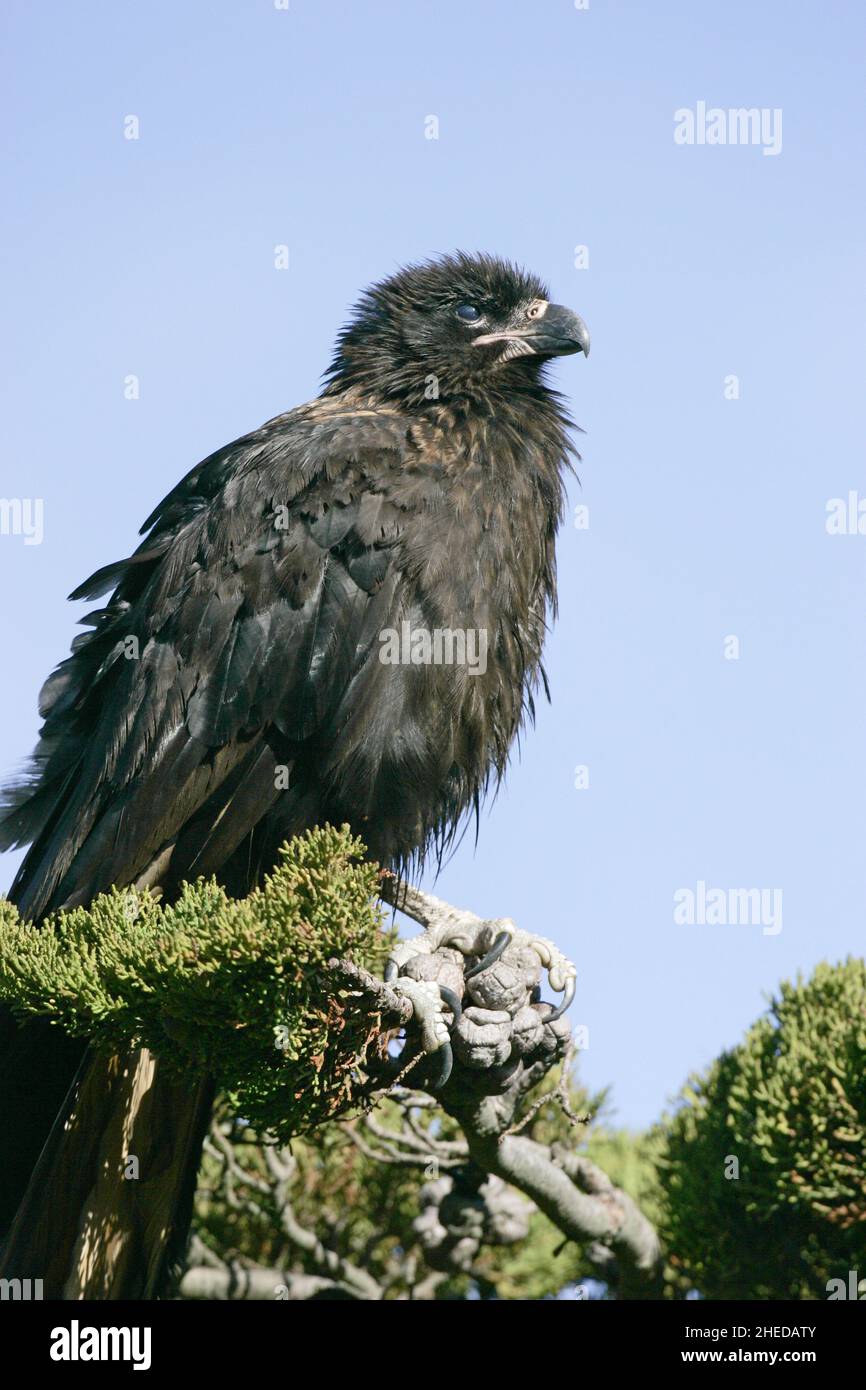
235	690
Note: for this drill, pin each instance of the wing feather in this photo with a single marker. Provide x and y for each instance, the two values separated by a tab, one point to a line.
226	647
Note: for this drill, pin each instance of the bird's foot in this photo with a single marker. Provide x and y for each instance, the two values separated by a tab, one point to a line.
429	1002
504	936
483	943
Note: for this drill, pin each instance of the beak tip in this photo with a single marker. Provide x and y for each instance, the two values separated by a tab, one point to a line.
571	328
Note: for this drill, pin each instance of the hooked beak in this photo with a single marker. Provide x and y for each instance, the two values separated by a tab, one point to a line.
555	333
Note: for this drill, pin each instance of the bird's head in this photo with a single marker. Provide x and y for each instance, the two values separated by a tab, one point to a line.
450	327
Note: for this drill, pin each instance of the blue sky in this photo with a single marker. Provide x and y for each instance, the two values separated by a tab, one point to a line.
261	127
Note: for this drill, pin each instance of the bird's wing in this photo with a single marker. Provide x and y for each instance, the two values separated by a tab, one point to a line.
228	640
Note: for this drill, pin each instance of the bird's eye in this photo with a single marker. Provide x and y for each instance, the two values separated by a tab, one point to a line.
467	313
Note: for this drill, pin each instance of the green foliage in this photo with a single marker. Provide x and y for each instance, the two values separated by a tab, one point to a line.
238	988
789	1104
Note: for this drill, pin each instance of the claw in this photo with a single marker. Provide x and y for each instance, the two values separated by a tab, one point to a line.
451	999
567	997
447	1064
502	941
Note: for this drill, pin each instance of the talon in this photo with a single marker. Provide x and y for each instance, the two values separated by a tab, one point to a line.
496	950
567	997
447	1064
450	998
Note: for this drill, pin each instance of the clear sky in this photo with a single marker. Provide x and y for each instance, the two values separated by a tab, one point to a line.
306	127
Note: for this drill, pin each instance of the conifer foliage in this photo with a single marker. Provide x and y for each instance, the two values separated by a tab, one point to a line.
236	988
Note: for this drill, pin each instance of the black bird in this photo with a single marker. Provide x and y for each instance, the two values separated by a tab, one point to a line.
232	692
